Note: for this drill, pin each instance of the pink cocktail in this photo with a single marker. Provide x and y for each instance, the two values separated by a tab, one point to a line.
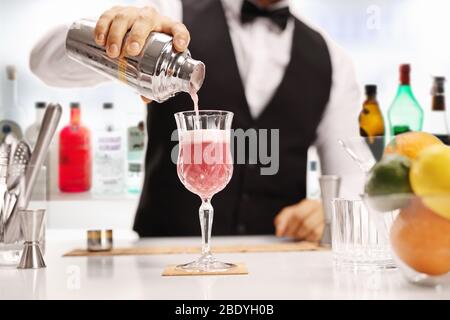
205	167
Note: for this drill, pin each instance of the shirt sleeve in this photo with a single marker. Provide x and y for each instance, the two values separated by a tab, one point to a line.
50	63
340	121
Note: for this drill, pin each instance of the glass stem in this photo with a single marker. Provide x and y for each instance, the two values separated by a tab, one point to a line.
206	213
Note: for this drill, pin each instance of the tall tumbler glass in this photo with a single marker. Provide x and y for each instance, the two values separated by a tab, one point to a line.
356	241
205	167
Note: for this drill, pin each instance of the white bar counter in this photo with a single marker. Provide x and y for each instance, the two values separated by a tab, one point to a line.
297	275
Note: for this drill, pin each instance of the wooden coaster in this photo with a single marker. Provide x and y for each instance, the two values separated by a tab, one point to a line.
172	271
138	251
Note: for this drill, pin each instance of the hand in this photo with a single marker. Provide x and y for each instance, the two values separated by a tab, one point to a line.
113	25
301	221
145	100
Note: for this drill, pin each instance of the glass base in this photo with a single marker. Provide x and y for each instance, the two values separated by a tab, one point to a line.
347	265
10	254
206	263
364	259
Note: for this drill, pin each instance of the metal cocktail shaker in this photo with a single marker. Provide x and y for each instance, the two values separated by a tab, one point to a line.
158	73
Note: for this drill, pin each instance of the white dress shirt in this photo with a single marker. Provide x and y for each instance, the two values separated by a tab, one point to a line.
256	44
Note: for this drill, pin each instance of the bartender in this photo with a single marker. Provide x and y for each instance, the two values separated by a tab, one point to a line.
270	68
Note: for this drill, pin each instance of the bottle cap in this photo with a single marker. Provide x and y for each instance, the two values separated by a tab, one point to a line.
438	85
405	70
108	105
371	89
11	73
40	105
74	105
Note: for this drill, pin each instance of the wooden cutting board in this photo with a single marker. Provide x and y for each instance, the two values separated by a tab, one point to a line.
137	251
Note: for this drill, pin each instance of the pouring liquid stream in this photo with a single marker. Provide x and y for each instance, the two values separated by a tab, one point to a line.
194	96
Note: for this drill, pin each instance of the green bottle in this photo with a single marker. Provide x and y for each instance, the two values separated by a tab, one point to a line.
405	113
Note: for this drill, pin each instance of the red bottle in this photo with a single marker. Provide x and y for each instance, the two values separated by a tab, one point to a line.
75	160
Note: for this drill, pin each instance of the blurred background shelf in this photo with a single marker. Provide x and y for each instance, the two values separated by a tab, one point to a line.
89	211
89	196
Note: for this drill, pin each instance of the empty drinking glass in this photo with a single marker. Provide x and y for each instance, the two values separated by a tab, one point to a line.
356	243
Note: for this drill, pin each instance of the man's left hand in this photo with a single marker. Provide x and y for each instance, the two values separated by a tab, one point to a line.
301	221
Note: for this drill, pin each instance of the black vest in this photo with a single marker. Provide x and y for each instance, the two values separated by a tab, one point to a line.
250	202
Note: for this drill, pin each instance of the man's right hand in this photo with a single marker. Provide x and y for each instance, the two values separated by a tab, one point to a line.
115	23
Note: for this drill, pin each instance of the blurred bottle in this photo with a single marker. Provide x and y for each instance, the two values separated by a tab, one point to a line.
31	135
405	113
109	162
75	160
435	121
312	174
136	149
371	123
10	111
32	132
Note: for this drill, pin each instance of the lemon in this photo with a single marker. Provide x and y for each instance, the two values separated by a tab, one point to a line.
430	178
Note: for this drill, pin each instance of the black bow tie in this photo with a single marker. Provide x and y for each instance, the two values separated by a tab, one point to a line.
250	11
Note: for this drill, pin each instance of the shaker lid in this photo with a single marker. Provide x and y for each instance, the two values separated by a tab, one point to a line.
194	71
11	72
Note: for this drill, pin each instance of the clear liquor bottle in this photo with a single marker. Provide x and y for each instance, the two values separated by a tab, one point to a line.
109	162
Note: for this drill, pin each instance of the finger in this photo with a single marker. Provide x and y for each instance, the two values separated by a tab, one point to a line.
119	27
281	221
181	37
306	207
145	100
103	25
144	24
279	217
302	232
316	234
302	211
312	222
314	219
293	225
180	33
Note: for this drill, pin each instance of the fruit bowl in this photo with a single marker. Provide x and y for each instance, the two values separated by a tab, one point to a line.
408	178
419	236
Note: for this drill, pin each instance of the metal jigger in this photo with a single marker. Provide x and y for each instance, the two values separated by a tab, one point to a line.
32	222
329	186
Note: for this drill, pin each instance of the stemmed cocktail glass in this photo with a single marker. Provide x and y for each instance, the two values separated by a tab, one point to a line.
205	167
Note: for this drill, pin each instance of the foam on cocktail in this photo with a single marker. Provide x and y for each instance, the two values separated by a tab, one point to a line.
205	135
